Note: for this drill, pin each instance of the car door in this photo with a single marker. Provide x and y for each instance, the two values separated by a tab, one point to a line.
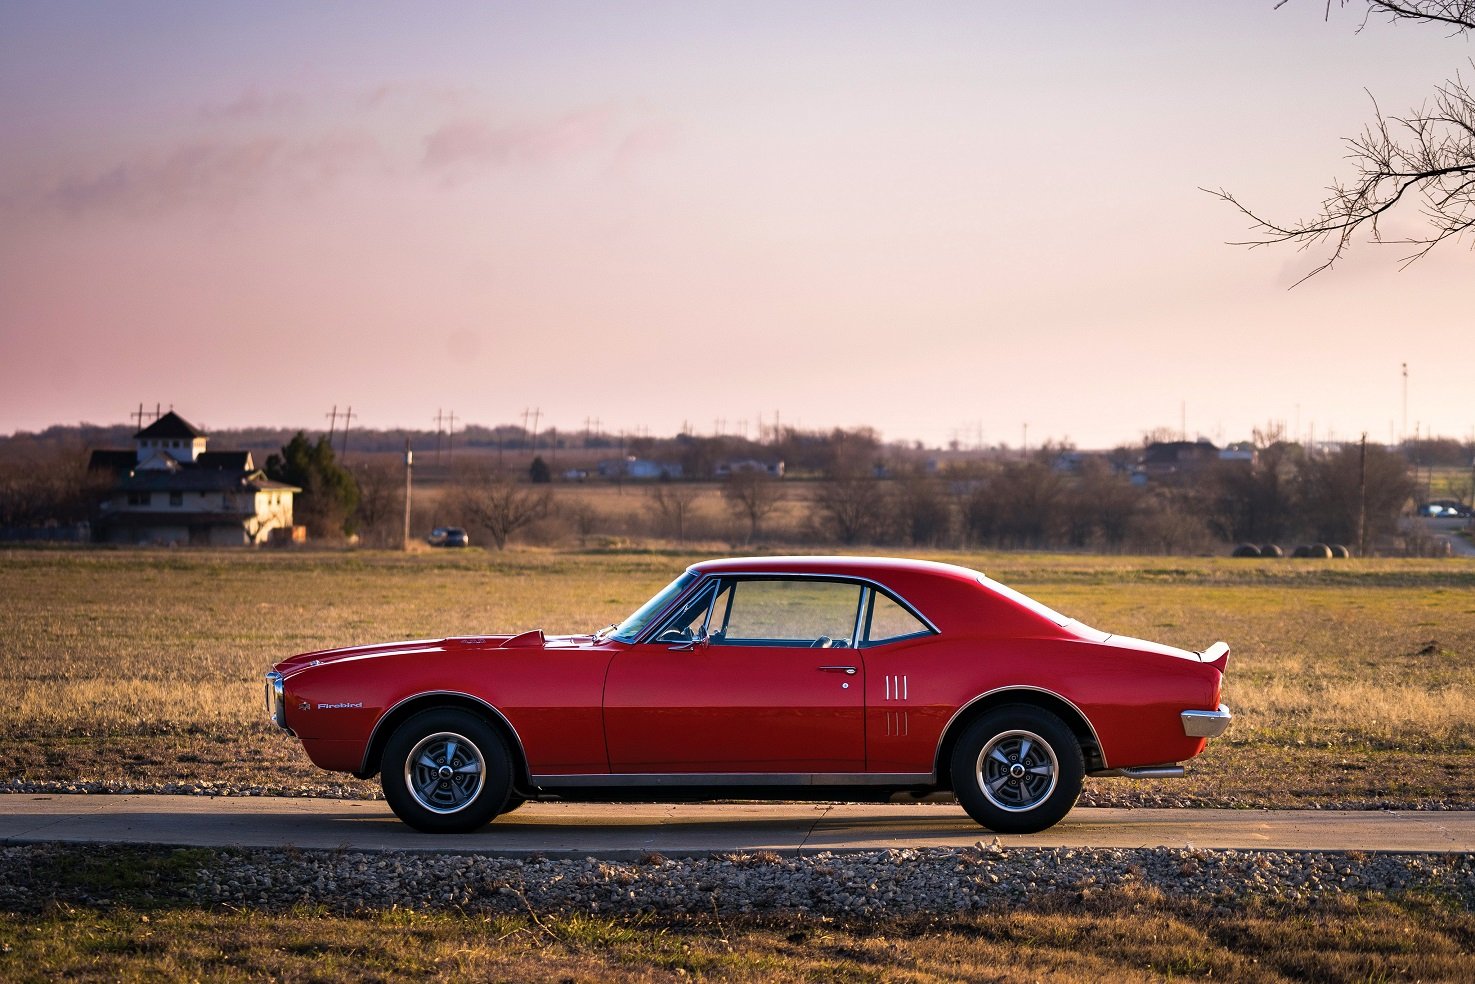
754	675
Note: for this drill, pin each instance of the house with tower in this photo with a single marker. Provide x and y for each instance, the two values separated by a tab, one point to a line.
171	489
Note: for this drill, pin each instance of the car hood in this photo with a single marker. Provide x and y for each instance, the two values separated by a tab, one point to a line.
532	639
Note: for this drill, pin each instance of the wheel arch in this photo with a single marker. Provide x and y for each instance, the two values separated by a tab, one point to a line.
1075	719
436	700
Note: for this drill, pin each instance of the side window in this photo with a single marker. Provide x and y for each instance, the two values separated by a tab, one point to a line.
688	621
888	621
799	613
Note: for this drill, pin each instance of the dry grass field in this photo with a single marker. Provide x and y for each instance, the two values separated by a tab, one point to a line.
1351	681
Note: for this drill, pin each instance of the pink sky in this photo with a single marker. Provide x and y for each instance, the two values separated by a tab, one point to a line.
937	219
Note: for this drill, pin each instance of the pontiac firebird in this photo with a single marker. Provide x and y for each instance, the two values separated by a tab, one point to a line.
764	678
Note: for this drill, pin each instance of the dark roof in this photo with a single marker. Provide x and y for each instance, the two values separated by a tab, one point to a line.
170	425
236	461
200	480
117	462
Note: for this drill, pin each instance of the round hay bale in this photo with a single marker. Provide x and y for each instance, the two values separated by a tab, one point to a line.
1302	550
1271	550
1246	550
1340	552
1320	551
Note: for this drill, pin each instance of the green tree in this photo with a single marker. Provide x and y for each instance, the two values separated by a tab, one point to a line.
329	500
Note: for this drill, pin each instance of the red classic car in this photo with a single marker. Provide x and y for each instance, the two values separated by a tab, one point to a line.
797	677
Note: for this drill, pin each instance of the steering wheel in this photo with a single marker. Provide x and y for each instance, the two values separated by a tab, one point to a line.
823	642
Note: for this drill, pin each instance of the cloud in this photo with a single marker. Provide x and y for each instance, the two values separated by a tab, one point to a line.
215	172
470	141
253	105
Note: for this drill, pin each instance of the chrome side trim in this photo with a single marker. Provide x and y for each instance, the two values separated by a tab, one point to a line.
635	779
1206	724
374	735
1141	772
942	735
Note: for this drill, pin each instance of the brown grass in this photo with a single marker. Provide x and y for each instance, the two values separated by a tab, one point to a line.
1122	936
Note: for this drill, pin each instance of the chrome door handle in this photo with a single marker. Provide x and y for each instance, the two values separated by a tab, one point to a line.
847	670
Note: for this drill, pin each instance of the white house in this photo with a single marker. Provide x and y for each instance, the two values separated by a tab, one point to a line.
172	490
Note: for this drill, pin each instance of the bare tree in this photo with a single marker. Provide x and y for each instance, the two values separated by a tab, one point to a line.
381	505
672	505
496	503
752	495
1422	161
851	507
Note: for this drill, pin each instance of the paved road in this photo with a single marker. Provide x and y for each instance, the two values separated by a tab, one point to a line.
624	831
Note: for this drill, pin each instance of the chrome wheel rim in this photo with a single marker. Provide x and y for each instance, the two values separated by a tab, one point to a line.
1017	770
445	772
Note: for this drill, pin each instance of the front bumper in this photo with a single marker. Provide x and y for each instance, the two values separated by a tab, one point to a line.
1206	724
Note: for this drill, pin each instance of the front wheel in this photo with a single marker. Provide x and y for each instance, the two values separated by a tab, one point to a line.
1018	769
446	771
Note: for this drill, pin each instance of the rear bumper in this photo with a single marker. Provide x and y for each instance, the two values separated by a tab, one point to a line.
1206	724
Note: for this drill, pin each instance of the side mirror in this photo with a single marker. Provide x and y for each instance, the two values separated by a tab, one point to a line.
699	641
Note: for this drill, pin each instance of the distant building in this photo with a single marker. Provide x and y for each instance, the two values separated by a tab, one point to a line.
170	489
1166	460
739	465
638	468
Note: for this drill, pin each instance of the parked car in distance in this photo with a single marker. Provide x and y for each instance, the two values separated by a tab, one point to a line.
448	536
772	677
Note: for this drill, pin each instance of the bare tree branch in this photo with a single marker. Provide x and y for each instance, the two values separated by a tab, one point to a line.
1427	156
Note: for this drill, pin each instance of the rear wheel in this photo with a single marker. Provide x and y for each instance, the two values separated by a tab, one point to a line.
446	771
1018	769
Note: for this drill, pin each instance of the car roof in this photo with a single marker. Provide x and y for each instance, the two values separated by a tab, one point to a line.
877	567
950	596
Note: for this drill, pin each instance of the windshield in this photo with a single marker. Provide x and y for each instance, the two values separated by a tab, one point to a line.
629	629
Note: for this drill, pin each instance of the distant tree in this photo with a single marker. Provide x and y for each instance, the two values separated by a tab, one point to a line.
44	482
1335	489
1422	162
328	503
1255	501
381	507
539	472
922	510
672	505
752	495
492	502
851	507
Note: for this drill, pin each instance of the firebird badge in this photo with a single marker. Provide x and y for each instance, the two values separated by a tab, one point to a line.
339	706
306	705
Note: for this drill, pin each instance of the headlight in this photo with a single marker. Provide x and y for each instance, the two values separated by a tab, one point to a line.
276	703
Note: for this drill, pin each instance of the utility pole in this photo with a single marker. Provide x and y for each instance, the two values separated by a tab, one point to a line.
450	436
409	464
348	416
1362	497
1024	441
138	416
332	424
439	418
536	413
1405	401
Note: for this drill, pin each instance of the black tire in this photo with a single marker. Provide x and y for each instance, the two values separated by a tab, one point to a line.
1018	769
446	771
513	802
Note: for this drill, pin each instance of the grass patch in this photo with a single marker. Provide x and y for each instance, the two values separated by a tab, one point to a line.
1124	937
